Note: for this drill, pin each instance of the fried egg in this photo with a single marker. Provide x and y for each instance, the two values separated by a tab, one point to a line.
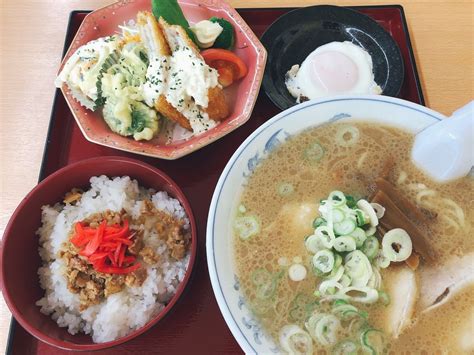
336	68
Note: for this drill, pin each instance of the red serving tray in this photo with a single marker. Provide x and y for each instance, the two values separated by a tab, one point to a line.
195	325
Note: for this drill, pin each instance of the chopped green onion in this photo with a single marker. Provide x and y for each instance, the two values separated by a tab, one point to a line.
346	347
375	280
345	280
323	261
336	273
358	325
327	330
303	306
345	227
361	218
340	302
246	227
314	243
326	235
366	207
311	323
359	236
337	198
319	222
285	189
379	209
381	260
295	340
265	282
372	341
341	309
370	247
350	201
297	272
260	307
338	215
344	243
314	152
397	245
330	287
267	290
358	267
297	314
347	136
323	328
350	314
260	276
370	231
242	208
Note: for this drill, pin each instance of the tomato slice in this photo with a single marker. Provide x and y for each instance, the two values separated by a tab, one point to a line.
227	63
226	70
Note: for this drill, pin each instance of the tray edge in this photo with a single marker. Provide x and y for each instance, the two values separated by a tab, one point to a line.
13	322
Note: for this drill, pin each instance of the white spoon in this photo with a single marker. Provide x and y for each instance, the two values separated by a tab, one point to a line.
445	150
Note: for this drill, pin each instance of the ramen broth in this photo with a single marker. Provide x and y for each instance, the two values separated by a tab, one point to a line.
283	194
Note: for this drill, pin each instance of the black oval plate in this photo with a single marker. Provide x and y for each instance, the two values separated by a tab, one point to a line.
292	37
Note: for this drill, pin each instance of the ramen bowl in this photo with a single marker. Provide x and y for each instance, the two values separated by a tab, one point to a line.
377	109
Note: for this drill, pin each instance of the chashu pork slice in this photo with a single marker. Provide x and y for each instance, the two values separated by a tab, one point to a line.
402	287
442	282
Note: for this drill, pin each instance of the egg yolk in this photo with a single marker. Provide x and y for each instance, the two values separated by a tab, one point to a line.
334	72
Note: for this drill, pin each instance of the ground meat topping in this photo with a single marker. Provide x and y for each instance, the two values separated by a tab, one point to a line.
73	196
93	286
177	243
91	294
111	217
113	285
137	245
136	278
172	231
149	256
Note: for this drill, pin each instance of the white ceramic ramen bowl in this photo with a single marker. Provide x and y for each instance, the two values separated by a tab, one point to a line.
380	109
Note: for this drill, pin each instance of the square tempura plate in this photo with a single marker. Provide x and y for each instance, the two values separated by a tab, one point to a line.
240	96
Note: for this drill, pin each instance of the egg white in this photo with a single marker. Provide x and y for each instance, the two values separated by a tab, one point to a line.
300	83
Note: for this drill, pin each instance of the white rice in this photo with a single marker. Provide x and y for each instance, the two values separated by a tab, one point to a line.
130	309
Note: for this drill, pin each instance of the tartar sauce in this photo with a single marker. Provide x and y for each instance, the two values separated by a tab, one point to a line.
184	79
82	68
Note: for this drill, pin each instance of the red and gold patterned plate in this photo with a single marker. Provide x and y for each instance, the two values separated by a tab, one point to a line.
241	96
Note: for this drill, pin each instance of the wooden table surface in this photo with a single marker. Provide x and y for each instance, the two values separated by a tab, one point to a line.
31	39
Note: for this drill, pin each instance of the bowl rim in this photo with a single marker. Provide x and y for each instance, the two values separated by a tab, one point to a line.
210	235
352	10
37	333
